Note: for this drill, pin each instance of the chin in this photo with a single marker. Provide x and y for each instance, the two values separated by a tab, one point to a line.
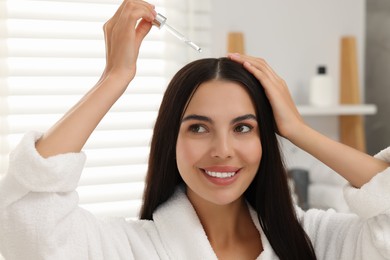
218	198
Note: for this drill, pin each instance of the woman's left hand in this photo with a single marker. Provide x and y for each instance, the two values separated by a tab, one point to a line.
287	117
356	167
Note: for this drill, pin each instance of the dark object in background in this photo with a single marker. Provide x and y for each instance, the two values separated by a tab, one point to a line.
301	183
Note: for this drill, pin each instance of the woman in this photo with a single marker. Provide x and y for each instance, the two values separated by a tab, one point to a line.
216	187
194	140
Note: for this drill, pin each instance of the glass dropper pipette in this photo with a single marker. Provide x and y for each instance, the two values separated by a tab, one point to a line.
160	22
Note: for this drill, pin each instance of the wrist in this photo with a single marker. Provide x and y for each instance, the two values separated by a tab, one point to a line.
298	133
116	78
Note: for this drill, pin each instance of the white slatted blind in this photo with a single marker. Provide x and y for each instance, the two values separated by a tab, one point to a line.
52	52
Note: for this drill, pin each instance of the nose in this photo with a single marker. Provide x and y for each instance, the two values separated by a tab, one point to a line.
222	146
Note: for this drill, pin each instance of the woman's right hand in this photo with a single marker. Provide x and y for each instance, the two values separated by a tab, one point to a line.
123	34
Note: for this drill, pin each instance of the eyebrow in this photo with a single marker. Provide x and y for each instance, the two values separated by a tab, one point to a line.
209	120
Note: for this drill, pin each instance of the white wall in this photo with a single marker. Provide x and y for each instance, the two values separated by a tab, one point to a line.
294	36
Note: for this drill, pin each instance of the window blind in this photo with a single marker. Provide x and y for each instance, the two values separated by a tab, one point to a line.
52	52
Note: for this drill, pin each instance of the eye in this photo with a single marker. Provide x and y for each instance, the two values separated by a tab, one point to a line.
243	128
197	129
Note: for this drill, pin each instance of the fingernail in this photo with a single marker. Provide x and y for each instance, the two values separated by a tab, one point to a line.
234	55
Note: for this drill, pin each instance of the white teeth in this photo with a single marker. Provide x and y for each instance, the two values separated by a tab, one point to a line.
220	174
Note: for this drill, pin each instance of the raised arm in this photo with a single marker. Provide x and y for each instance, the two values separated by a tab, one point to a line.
356	167
123	33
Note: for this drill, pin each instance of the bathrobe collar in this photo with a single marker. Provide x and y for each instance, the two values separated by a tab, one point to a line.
182	234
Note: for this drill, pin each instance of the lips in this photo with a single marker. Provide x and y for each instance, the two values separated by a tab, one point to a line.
221	175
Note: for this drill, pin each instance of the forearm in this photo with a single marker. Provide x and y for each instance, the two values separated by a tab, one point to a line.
356	167
72	131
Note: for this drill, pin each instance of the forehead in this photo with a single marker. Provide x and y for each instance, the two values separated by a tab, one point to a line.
220	96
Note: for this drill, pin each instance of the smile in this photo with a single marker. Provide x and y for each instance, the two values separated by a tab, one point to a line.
221	175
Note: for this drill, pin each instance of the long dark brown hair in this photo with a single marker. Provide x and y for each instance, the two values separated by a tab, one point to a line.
268	193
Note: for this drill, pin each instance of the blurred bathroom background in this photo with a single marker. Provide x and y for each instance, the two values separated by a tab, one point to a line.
295	37
377	76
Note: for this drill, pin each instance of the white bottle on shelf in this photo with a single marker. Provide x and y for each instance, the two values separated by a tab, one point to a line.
322	91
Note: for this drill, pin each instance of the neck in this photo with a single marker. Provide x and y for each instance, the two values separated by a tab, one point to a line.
223	224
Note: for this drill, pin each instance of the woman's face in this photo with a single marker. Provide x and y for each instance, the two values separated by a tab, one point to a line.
218	148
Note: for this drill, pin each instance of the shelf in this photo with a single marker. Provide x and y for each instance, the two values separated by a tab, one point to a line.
339	110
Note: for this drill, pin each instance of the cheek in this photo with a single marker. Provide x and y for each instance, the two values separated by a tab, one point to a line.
253	152
188	152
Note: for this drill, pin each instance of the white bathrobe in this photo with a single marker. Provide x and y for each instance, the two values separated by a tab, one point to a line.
40	219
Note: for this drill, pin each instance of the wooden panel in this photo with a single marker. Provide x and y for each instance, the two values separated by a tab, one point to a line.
351	127
235	42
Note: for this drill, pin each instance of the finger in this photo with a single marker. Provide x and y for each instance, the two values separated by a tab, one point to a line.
261	64
262	76
256	62
142	30
241	58
275	89
270	84
107	27
115	17
122	25
113	20
126	27
235	57
151	7
135	10
259	68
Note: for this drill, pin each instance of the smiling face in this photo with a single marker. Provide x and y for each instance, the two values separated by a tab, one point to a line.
218	148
